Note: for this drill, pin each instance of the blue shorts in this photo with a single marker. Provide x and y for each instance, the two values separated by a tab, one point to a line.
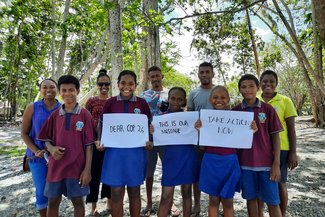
39	171
284	155
257	184
220	175
68	187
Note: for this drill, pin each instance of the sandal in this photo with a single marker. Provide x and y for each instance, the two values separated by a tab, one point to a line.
94	214
147	212
174	211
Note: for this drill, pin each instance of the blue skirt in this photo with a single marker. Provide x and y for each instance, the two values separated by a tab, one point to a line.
220	175
180	165
124	167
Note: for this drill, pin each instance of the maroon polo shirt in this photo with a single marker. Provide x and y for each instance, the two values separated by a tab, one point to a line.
268	123
73	131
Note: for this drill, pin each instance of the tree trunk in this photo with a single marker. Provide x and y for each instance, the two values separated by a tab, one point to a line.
320	17
53	38
116	43
251	33
63	43
150	46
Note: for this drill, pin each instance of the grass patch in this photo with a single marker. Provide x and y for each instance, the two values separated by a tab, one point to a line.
13	151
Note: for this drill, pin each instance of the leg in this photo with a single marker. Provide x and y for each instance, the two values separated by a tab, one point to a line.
197	198
106	192
274	210
283	193
187	199
117	201
53	208
252	208
135	201
96	169
39	171
165	201
213	209
152	157
228	207
149	184
79	206
260	207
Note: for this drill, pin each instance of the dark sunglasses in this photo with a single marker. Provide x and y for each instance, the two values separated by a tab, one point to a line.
103	83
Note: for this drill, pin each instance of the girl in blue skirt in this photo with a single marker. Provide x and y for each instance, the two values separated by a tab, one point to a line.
220	170
179	166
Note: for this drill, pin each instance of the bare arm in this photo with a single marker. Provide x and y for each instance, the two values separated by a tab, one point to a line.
275	170
25	129
85	176
293	159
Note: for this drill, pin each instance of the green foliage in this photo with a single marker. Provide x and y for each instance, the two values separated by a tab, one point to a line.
13	151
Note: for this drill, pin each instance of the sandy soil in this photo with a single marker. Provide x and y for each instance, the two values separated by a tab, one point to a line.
306	183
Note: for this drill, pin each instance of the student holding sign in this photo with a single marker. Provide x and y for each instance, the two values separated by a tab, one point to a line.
260	165
125	166
220	171
180	164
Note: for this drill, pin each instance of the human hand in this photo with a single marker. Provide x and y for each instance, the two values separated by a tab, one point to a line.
40	153
292	160
151	129
198	125
99	146
57	152
254	126
149	145
275	174
85	178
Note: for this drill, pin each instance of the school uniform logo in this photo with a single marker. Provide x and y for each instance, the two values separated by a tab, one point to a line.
262	117
79	125
137	111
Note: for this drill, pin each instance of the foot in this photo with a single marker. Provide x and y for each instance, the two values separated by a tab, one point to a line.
94	213
174	211
147	211
195	211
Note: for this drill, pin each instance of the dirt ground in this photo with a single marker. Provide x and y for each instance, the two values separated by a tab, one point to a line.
306	184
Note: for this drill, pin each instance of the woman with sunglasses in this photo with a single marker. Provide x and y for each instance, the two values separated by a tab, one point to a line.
95	105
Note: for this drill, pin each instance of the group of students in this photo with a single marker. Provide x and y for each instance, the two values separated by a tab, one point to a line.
76	167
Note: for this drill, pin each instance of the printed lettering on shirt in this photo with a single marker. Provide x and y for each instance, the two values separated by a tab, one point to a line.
262	117
79	125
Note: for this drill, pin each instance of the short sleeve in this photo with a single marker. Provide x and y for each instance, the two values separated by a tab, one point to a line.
89	133
190	104
290	110
47	131
274	124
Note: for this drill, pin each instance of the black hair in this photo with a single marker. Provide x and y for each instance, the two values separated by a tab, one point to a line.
69	79
269	72
154	68
102	73
127	72
48	79
248	77
179	89
219	87
206	64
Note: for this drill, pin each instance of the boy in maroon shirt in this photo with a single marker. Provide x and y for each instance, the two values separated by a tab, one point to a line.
260	165
69	136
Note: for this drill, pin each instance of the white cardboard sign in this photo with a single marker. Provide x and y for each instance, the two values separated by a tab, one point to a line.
175	128
123	130
223	128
